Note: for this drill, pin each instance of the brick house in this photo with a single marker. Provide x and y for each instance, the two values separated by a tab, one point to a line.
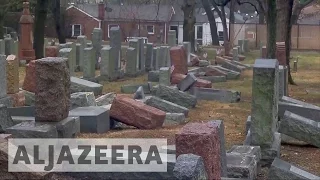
150	21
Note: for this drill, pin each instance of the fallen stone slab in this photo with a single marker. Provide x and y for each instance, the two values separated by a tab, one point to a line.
22	111
137	114
214	79
241	166
196	70
81	85
231	66
92	119
240	65
186	83
189	166
139	94
226	96
82	99
285	171
153	76
177	78
175	96
174	119
166	105
213	71
132	88
67	128
295	101
300	128
203	63
301	110
5	119
252	151
201	139
105	99
230	73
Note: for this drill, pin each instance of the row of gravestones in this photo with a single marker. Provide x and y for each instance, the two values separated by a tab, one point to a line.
9	46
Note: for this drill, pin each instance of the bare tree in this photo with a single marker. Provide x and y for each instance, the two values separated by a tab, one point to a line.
212	22
188	8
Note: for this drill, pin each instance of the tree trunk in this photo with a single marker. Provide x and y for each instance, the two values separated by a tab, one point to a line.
1	26
212	21
271	29
282	20
288	40
232	8
224	25
262	11
59	18
39	25
189	21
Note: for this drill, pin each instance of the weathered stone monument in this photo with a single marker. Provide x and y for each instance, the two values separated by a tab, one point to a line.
131	65
68	54
264	112
4	98
25	44
89	64
187	48
81	44
115	43
149	57
179	60
97	44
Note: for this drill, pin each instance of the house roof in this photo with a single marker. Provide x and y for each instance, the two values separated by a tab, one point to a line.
148	12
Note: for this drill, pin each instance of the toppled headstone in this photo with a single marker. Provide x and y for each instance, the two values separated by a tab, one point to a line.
105	99
285	171
213	71
230	73
227	96
82	99
175	96
166	106
202	140
241	166
295	101
132	88
153	76
174	119
177	78
300	128
139	94
52	89
81	85
187	82
5	118
92	119
309	112
214	79
189	167
136	113
203	63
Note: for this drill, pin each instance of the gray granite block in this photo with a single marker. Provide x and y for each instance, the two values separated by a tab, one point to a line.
139	94
230	73
30	98
269	154
82	99
281	81
241	166
223	159
226	96
165	76
19	119
214	79
203	63
5	118
153	76
105	99
67	128
132	88
300	128
81	85
301	110
295	101
187	82
175	96
174	119
231	66
189	167
248	124
32	129
7	101
22	111
166	106
285	171
92	119
3	75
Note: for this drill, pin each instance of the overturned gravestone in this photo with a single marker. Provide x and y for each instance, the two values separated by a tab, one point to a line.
309	112
92	119
5	118
166	106
174	119
295	101
105	99
230	73
139	94
284	171
177	78
214	79
81	85
134	113
189	167
132	88
187	82
300	128
82	99
175	96
226	96
241	166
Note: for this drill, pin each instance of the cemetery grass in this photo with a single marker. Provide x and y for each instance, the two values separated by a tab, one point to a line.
235	115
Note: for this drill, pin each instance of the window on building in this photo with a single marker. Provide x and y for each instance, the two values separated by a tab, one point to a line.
199	32
150	29
111	26
220	35
76	30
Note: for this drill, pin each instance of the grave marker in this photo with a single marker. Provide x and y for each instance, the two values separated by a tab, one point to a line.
67	53
131	65
89	64
149	57
97	44
115	43
82	43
